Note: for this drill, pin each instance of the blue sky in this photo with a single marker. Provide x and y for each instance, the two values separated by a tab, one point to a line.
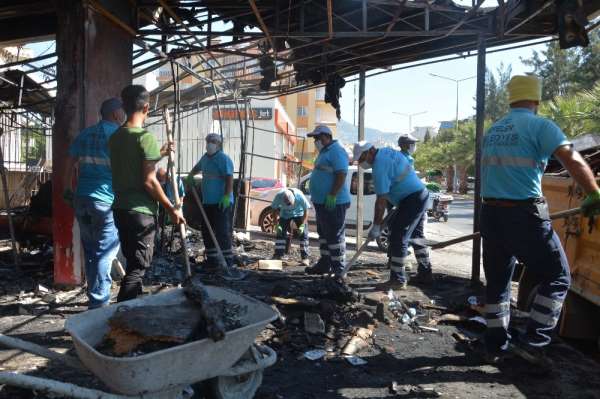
413	90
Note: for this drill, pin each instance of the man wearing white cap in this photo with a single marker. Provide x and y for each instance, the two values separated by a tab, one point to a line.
397	183
292	205
217	199
93	199
331	198
515	220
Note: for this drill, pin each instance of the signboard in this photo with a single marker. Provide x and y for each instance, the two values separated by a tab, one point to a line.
259	114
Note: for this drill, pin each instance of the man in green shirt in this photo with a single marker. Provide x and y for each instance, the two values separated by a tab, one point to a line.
134	154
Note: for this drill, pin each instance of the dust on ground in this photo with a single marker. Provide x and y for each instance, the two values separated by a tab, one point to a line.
401	361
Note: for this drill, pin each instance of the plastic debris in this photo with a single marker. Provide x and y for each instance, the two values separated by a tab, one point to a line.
355	360
315	354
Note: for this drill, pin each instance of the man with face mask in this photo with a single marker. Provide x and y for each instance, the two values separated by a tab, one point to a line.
217	199
408	144
397	183
331	198
291	205
93	199
515	221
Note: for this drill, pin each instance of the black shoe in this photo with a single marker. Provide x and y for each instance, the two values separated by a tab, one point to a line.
276	257
423	278
534	355
318	268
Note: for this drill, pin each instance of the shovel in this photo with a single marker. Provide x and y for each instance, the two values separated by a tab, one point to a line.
442	244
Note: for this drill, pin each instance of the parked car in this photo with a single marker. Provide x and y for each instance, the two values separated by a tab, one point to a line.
263	215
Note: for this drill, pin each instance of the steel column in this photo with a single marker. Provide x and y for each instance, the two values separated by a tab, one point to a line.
361	136
480	118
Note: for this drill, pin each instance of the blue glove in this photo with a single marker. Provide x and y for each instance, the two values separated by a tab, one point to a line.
330	202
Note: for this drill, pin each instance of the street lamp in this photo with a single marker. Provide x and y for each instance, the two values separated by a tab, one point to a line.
457	81
410	118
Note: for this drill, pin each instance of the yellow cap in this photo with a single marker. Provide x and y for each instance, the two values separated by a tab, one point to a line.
524	87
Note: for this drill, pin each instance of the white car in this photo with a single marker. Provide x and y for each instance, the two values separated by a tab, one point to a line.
261	213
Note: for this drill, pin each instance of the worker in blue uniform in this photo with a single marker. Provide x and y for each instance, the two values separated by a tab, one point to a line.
292	206
408	145
331	198
217	199
515	219
397	183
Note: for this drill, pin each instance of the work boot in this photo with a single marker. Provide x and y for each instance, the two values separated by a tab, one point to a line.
276	257
534	355
423	278
318	268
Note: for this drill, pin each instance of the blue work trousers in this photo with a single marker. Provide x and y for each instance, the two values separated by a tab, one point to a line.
331	227
521	232
409	218
100	242
221	223
282	237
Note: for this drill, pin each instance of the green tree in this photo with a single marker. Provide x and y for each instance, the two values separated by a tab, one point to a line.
33	144
496	96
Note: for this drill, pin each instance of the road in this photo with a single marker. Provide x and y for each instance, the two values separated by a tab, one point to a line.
461	216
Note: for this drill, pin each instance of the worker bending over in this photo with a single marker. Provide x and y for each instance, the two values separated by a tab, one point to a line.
292	206
397	183
134	154
515	220
93	199
331	197
217	200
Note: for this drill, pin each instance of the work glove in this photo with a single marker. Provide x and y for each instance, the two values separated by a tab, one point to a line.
590	206
68	197
279	230
330	202
375	232
225	202
301	228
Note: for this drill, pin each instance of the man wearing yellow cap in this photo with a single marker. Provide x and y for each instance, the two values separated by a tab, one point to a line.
515	221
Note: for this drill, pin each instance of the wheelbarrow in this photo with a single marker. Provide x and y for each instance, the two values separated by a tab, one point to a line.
232	367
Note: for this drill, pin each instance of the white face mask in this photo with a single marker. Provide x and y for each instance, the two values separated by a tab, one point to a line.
412	148
211	148
365	165
319	145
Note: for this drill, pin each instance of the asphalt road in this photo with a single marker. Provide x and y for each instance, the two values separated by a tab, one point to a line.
460	217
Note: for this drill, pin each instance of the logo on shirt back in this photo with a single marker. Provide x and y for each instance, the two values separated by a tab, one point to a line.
502	135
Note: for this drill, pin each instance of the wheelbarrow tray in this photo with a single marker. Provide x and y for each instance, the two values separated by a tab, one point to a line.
165	369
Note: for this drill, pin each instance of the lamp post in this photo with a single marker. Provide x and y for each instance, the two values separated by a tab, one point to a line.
457	81
409	116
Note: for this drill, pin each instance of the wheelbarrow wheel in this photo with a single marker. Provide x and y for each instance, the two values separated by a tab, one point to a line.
242	386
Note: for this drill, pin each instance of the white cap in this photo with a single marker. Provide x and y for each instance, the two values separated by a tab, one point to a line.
214	137
321	129
289	196
407	138
359	148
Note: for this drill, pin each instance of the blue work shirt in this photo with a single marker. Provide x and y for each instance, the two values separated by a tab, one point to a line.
393	175
167	188
409	157
331	160
516	150
215	170
90	147
297	210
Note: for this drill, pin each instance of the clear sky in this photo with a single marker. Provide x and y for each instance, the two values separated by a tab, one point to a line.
414	90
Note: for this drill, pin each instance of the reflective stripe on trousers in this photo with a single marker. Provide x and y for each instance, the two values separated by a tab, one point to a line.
332	240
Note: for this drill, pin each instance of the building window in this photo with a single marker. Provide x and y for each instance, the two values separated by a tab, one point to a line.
320	95
302	111
318	115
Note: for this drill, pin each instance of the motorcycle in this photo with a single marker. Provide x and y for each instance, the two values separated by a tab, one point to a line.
440	206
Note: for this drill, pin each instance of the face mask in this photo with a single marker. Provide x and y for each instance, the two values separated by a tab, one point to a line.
211	148
365	165
319	145
412	148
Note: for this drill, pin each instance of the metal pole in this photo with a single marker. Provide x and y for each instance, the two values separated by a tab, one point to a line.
476	264
361	136
9	214
456	119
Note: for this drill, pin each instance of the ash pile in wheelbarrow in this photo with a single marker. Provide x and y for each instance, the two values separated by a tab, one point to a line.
136	331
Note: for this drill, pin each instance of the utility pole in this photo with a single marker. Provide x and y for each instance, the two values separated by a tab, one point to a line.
457	81
361	136
410	116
